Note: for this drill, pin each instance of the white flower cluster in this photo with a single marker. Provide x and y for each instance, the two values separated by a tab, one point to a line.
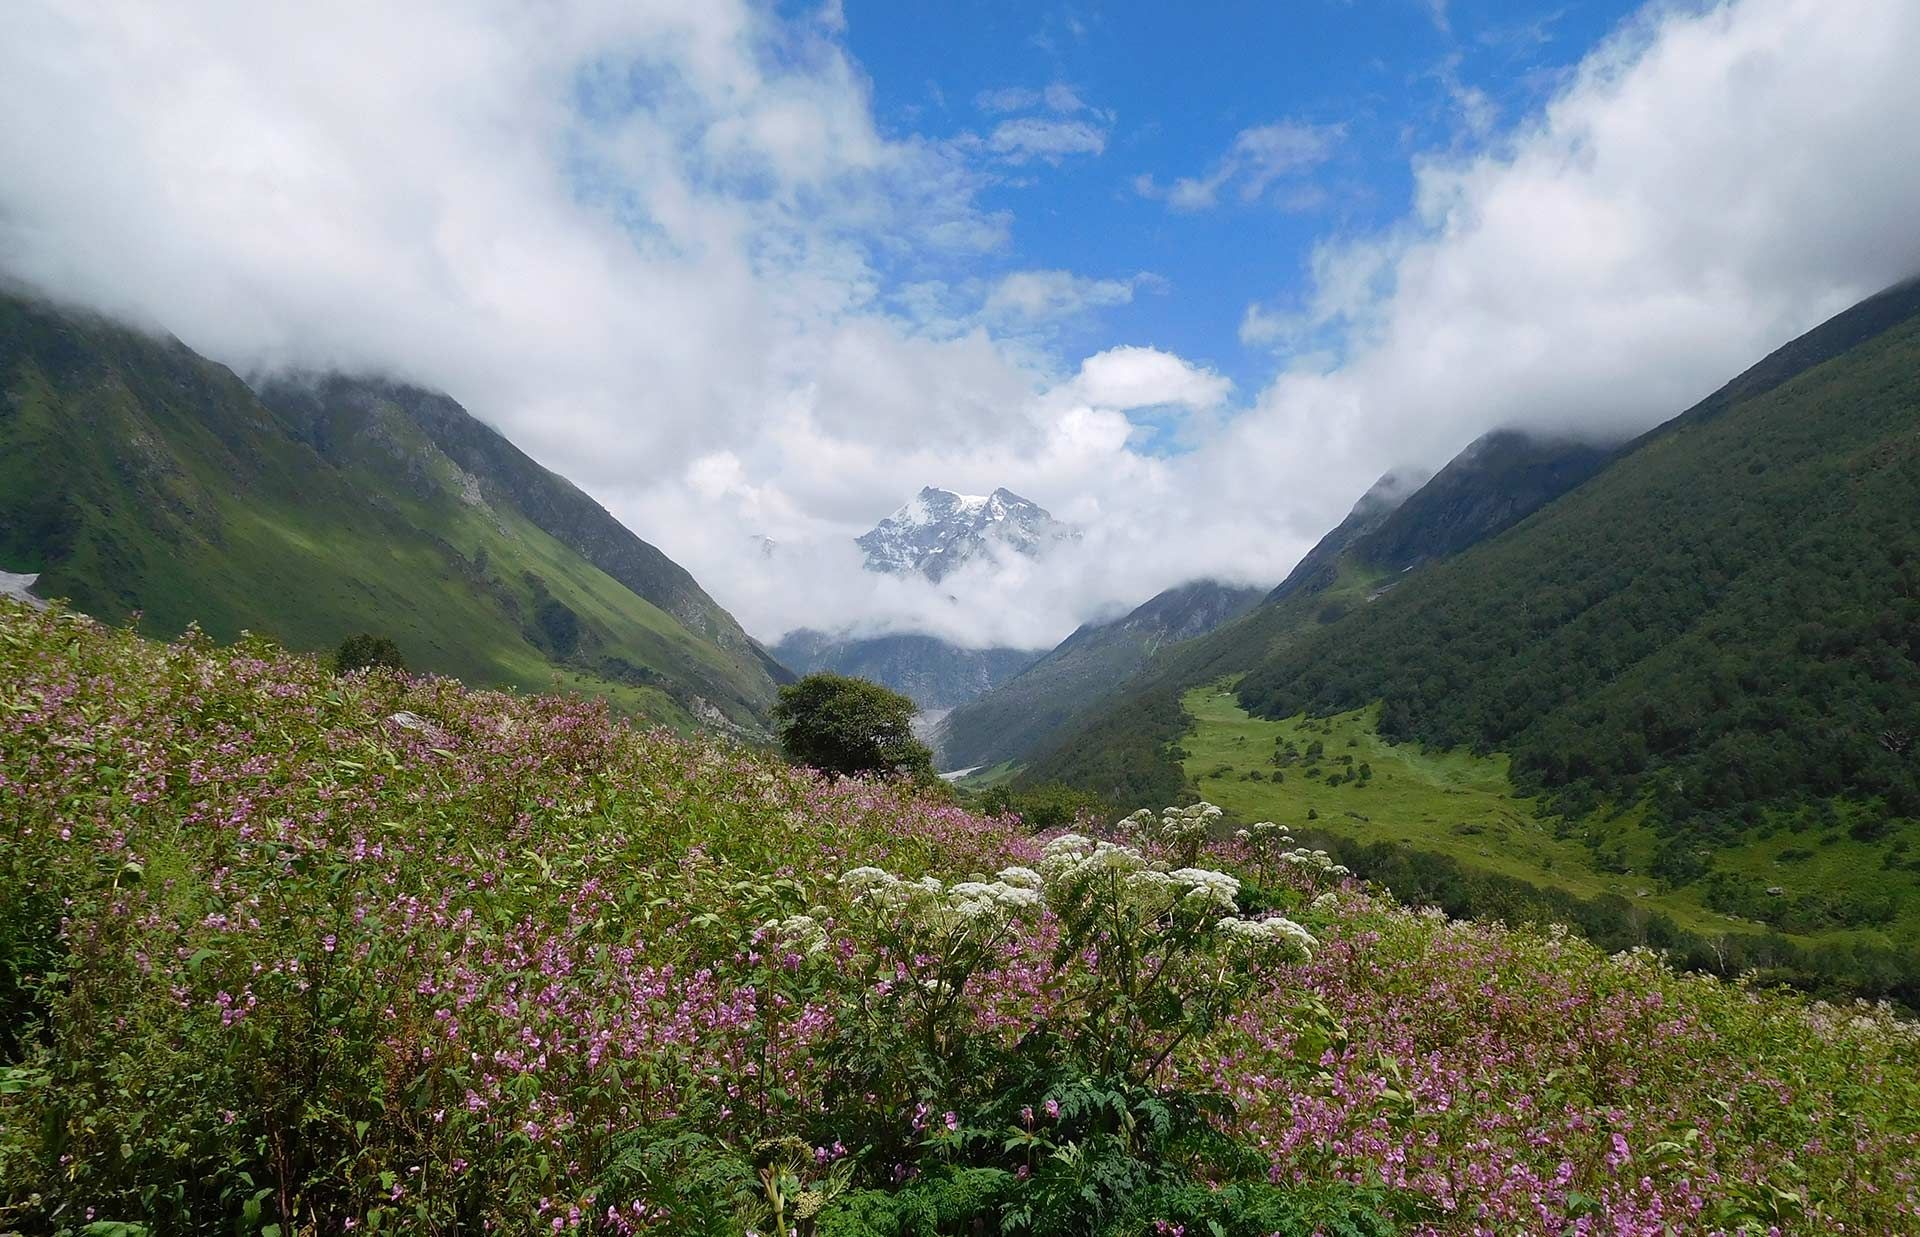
802	932
1069	861
1277	930
1265	835
1071	856
1315	861
1206	887
1176	826
1014	890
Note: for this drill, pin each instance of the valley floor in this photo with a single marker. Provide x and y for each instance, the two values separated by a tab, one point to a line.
1466	807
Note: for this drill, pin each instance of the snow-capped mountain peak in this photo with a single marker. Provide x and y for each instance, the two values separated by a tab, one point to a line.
938	530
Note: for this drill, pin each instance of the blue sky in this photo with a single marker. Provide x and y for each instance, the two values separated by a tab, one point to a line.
1169	87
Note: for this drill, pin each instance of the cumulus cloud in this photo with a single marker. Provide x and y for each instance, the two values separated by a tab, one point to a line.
1257	159
1706	186
1132	377
656	245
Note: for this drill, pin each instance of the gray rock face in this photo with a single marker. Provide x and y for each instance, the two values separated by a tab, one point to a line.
940	530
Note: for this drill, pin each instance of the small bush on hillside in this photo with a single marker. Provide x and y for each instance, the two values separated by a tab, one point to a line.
367	652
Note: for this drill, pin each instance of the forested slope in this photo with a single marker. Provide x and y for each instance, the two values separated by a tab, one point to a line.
1728	617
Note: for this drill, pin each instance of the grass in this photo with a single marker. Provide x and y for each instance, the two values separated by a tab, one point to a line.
1465	807
990	776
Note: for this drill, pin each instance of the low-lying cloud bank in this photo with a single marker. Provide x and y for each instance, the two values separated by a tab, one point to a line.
667	250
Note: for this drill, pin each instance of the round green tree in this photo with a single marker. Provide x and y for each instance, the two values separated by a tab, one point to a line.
366	651
846	725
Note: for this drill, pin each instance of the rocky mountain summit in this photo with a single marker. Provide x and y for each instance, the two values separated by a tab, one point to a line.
939	531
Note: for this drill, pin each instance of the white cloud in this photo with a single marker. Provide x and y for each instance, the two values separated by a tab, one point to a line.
1034	137
1258	157
1040	295
652	244
1132	377
1706	186
1062	98
1008	99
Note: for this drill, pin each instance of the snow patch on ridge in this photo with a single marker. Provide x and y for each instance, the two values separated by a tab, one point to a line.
18	586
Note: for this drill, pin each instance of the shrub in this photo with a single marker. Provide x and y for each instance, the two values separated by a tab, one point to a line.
368	652
849	726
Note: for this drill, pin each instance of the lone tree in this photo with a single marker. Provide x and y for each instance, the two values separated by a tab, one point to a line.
847	725
365	651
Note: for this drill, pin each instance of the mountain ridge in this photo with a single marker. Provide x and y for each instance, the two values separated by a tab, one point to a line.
1085	668
139	478
933	535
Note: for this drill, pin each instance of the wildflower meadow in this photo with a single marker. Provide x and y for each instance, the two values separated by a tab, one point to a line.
288	953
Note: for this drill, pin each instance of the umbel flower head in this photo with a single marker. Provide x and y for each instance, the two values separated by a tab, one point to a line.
932	904
1315	861
802	933
1072	865
1264	835
1185	827
1205	887
1276	930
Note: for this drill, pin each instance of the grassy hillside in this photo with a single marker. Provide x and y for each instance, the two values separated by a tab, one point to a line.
1710	643
284	953
1124	750
143	480
1457	688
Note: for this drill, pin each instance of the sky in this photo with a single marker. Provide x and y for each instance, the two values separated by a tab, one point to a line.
1189	276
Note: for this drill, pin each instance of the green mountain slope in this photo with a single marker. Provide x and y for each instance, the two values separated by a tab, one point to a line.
1122	745
1085	669
142	479
1727	618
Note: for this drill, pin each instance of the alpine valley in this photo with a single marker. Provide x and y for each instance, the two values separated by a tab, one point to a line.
738	618
1664	688
1667	689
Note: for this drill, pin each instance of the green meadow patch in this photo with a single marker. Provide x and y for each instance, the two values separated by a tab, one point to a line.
1336	775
